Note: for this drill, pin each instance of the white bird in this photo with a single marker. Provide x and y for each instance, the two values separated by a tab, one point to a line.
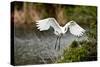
73	27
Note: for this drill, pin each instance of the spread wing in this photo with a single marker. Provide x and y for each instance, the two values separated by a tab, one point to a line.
76	30
45	24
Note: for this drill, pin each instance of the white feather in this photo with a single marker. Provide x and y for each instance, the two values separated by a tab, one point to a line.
45	24
76	30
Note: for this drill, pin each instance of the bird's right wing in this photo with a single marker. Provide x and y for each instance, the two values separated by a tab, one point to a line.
76	30
45	24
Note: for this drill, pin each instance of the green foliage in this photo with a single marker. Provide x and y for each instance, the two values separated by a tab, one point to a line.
92	33
81	14
87	52
74	44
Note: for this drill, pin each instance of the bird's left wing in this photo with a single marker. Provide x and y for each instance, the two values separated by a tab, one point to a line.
76	30
45	24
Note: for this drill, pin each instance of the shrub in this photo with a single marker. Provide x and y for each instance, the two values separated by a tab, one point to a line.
87	52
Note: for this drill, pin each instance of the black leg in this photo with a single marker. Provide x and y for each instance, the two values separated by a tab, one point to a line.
59	43
56	42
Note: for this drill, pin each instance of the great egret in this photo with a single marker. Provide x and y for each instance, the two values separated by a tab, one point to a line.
73	27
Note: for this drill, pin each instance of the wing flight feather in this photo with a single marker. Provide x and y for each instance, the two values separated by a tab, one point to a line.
45	24
76	30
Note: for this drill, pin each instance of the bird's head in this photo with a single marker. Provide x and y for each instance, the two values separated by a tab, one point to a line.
59	32
72	22
56	32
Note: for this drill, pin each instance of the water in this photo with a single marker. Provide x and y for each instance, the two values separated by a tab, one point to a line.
39	47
